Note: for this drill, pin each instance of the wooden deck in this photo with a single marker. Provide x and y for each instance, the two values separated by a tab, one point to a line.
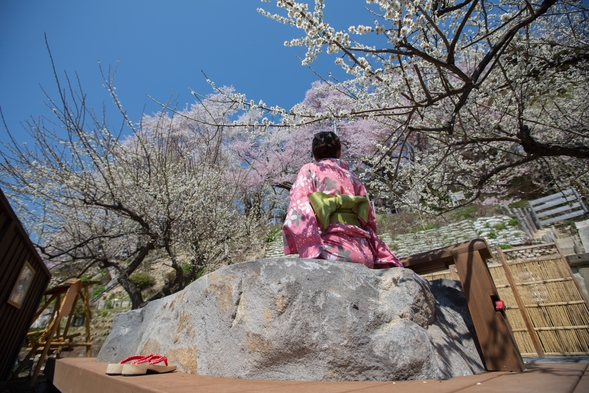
86	375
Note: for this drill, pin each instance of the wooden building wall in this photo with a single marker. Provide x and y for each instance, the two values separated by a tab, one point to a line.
16	312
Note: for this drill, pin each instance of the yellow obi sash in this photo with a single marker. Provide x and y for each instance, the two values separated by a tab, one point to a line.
341	208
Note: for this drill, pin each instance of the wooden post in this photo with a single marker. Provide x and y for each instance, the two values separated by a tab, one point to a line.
498	347
454	273
87	316
64	310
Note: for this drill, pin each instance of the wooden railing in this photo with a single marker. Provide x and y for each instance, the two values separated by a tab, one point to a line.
557	207
495	338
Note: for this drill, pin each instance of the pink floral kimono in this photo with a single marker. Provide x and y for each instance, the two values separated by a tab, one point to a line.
303	235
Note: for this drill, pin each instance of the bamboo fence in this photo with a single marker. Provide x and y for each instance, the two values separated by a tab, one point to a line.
547	311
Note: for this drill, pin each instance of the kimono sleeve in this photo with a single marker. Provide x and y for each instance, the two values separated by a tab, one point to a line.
301	233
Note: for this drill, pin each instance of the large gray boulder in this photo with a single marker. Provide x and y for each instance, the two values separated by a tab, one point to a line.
301	319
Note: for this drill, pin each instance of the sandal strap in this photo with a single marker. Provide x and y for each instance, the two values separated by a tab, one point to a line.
150	359
130	358
158	359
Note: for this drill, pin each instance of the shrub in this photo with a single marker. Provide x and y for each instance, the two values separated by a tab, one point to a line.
274	234
520	204
97	292
170	276
142	280
500	226
466	212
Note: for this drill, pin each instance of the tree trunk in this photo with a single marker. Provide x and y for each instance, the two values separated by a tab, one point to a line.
132	290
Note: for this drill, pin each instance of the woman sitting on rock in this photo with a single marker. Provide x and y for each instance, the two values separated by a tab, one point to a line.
330	216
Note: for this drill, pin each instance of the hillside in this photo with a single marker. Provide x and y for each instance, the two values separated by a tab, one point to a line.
405	233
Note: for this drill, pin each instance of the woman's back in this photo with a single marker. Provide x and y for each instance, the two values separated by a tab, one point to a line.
331	176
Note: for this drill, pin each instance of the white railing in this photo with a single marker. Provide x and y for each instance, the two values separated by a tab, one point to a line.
557	207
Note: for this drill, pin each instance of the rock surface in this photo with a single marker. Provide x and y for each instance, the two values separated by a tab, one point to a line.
301	319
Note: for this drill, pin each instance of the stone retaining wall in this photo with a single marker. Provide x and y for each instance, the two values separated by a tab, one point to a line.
496	230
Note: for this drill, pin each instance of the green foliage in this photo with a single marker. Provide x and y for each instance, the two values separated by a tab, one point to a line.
108	305
171	275
520	204
274	234
104	277
500	227
465	213
492	235
199	273
513	222
79	311
97	292
142	280
505	246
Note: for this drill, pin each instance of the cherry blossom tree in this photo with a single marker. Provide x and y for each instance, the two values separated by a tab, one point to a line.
474	94
92	199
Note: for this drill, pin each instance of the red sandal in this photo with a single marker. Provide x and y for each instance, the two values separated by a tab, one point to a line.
140	365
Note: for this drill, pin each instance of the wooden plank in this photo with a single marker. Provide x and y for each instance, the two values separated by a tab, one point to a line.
555	202
87	316
563	217
555	328
560	209
442	258
520	303
554	304
64	311
454	273
544	207
548	280
580	200
552	196
543	245
10	267
525	218
493	331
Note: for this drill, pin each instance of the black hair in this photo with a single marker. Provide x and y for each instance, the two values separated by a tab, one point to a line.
326	144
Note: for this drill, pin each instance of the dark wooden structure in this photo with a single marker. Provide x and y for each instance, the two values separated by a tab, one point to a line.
23	280
495	338
54	338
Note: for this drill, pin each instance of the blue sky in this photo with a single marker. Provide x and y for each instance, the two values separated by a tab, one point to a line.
160	46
